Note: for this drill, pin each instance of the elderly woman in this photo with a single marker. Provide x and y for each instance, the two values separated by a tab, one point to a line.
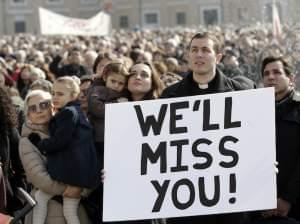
38	112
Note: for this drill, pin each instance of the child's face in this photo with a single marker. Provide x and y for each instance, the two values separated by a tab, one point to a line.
115	82
61	95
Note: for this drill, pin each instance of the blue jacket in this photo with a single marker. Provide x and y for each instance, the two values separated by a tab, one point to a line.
70	150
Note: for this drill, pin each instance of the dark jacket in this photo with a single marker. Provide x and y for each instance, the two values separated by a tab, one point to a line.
220	84
70	150
67	70
188	87
98	96
288	151
13	172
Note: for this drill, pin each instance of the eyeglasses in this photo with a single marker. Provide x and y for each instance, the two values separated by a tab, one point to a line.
44	105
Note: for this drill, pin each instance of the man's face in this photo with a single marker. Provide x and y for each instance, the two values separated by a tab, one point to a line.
83	94
202	56
75	57
275	76
170	49
89	59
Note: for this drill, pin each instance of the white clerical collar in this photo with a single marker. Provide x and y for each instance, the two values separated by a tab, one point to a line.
203	86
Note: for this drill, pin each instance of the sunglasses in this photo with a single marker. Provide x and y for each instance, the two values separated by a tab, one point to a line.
44	105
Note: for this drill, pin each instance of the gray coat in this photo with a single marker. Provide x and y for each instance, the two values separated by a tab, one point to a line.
35	168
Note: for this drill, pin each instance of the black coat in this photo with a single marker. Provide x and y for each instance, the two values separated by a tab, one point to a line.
188	87
98	96
12	169
70	150
67	70
220	84
288	151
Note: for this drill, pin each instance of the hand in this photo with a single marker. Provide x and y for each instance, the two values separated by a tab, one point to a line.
5	219
72	192
283	207
122	99
269	213
34	138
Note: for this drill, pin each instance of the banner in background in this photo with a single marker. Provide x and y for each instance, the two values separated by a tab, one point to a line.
55	24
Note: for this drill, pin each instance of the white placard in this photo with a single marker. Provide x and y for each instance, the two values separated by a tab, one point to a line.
204	155
55	24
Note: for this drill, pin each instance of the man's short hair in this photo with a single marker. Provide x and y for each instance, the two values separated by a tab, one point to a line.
86	78
217	44
287	66
73	49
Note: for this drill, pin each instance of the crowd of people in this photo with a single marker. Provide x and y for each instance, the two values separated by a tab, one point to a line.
58	86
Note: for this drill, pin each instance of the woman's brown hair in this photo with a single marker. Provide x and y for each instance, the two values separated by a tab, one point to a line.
100	57
157	85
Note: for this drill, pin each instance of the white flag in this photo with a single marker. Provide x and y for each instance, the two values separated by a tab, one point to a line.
276	22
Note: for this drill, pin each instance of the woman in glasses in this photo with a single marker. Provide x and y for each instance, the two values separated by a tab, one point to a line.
38	112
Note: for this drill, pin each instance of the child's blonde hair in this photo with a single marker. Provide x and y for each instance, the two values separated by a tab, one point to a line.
71	83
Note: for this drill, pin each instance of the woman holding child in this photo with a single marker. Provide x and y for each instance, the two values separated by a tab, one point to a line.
38	112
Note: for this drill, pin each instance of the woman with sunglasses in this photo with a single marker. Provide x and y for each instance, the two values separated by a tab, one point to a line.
38	112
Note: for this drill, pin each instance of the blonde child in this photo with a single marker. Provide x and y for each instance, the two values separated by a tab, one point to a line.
70	151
